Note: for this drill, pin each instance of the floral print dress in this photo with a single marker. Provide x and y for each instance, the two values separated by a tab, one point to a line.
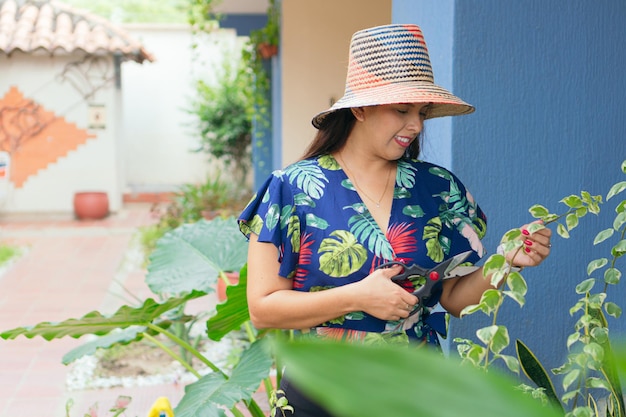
326	237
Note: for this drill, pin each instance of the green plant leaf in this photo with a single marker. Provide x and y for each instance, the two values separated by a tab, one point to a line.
517	297
123	337
562	231
603	235
570	378
620	249
572	201
511	362
493	264
209	395
613	309
572	338
585	286
232	313
612	276
571	220
600	334
595	351
191	256
538	211
510	235
609	366
616	189
595	265
620	220
581	212
344	377
594	382
495	336
490	300
535	371
518	287
96	323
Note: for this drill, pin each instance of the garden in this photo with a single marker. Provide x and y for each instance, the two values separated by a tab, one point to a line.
196	246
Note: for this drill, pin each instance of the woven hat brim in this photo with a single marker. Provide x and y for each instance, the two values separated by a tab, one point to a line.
443	103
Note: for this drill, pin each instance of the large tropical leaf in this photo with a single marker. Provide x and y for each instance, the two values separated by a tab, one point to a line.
208	396
232	313
535	371
373	381
98	324
191	256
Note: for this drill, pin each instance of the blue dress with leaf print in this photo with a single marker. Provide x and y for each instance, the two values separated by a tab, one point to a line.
326	236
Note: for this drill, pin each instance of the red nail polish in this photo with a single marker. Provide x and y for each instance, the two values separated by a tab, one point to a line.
528	242
525	232
527	250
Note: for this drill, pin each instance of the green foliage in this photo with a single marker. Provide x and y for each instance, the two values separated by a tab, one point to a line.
223	112
254	80
196	253
387	380
200	14
8	252
212	392
203	258
192	202
590	365
135	11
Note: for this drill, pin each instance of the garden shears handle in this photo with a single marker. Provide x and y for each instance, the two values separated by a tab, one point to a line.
428	278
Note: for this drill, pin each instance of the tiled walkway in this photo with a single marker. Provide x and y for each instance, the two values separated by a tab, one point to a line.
71	268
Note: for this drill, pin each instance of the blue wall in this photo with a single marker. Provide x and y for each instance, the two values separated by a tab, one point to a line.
547	79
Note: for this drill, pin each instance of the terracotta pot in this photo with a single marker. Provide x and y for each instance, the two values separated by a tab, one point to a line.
233	278
91	205
266	50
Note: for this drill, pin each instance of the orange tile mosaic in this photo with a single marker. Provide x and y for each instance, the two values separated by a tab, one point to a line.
53	138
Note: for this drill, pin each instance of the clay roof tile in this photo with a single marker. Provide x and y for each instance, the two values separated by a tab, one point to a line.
35	26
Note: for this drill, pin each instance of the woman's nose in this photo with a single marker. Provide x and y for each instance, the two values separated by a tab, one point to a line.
416	123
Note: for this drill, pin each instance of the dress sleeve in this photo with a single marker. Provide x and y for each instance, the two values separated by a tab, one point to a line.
465	217
271	215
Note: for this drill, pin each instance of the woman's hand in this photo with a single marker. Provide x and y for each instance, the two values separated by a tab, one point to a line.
382	298
536	247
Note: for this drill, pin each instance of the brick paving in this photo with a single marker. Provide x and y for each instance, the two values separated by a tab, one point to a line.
71	267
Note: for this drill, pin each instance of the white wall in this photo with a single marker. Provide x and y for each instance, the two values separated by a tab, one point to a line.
157	136
92	166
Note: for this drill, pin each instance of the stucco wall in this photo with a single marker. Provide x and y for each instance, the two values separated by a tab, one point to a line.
315	40
158	133
91	166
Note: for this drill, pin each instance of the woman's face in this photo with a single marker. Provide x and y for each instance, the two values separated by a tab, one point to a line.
391	128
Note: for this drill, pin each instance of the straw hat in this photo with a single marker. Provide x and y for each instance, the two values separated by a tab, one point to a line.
390	64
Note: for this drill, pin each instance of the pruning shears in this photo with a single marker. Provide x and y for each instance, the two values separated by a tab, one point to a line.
424	280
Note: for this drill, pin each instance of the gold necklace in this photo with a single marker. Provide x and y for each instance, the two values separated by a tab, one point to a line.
361	189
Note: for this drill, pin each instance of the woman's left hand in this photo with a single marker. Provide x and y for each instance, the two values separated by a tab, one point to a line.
536	247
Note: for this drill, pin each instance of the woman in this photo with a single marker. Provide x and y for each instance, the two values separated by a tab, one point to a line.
320	228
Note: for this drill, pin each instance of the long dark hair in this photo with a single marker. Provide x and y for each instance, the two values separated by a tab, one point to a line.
334	131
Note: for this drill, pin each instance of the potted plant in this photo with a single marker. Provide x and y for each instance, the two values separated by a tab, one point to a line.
267	39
